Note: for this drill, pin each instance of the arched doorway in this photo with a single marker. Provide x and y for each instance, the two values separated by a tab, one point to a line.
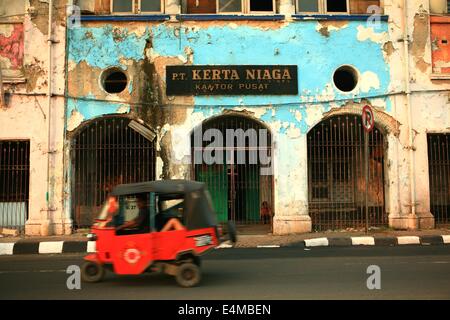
239	179
107	152
336	176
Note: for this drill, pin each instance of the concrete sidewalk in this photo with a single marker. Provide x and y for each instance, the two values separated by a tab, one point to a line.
78	242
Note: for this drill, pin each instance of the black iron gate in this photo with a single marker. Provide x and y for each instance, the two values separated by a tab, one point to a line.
439	173
105	153
336	178
241	183
14	183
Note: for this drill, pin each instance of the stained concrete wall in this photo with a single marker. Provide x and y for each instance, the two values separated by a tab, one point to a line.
143	49
25	114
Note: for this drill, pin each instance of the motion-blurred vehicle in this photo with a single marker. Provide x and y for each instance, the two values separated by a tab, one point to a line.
145	248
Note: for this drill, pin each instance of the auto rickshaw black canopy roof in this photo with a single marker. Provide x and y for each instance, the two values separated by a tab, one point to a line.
161	186
198	211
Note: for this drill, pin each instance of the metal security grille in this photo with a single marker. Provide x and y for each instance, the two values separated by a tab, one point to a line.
439	171
105	153
336	176
240	186
14	183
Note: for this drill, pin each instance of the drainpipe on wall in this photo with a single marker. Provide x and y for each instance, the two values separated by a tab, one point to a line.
45	225
2	94
411	148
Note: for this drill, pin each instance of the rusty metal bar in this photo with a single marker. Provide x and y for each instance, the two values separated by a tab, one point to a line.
439	176
336	175
105	153
14	183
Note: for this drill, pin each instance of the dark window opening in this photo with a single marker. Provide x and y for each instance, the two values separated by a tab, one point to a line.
150	6
439	175
261	5
14	183
337	5
308	5
122	6
345	78
115	81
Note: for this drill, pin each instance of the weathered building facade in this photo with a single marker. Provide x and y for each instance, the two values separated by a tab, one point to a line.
345	59
147	80
32	59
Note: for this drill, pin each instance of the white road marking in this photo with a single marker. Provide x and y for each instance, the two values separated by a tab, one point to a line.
51	247
363	241
224	246
268	246
318	242
408	240
6	248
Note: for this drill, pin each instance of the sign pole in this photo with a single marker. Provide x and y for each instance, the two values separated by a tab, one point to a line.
366	170
368	122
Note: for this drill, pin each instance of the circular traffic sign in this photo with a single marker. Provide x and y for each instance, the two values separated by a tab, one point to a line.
368	120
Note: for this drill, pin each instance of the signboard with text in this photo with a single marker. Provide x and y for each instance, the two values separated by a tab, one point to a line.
231	80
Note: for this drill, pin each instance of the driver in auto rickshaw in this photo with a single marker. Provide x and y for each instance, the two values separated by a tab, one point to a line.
142	221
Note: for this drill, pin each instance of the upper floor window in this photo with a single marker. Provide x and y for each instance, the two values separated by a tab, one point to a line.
137	6
323	6
261	6
228	6
336	6
12	10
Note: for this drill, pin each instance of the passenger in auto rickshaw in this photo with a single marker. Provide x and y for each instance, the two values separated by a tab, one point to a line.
141	224
142	221
167	220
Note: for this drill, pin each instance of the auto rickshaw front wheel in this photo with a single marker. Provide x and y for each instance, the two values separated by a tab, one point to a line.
92	272
188	275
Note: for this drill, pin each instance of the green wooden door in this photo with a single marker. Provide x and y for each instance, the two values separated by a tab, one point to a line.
216	179
252	201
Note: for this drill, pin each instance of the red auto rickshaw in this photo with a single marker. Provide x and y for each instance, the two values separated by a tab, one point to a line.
132	235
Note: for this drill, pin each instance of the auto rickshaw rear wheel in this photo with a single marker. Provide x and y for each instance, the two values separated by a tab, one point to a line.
188	275
92	272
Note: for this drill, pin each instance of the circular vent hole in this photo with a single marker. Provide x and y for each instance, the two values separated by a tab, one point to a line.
114	81
345	78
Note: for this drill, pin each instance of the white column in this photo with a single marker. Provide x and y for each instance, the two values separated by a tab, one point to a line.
291	185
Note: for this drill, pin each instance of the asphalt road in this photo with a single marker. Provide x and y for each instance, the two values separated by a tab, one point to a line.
412	272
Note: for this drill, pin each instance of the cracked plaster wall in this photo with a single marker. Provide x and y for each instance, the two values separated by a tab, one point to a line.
318	48
25	114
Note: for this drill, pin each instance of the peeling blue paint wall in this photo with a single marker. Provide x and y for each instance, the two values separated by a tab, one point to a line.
299	43
106	46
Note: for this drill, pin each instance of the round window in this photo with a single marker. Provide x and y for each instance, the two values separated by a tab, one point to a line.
345	78
114	80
